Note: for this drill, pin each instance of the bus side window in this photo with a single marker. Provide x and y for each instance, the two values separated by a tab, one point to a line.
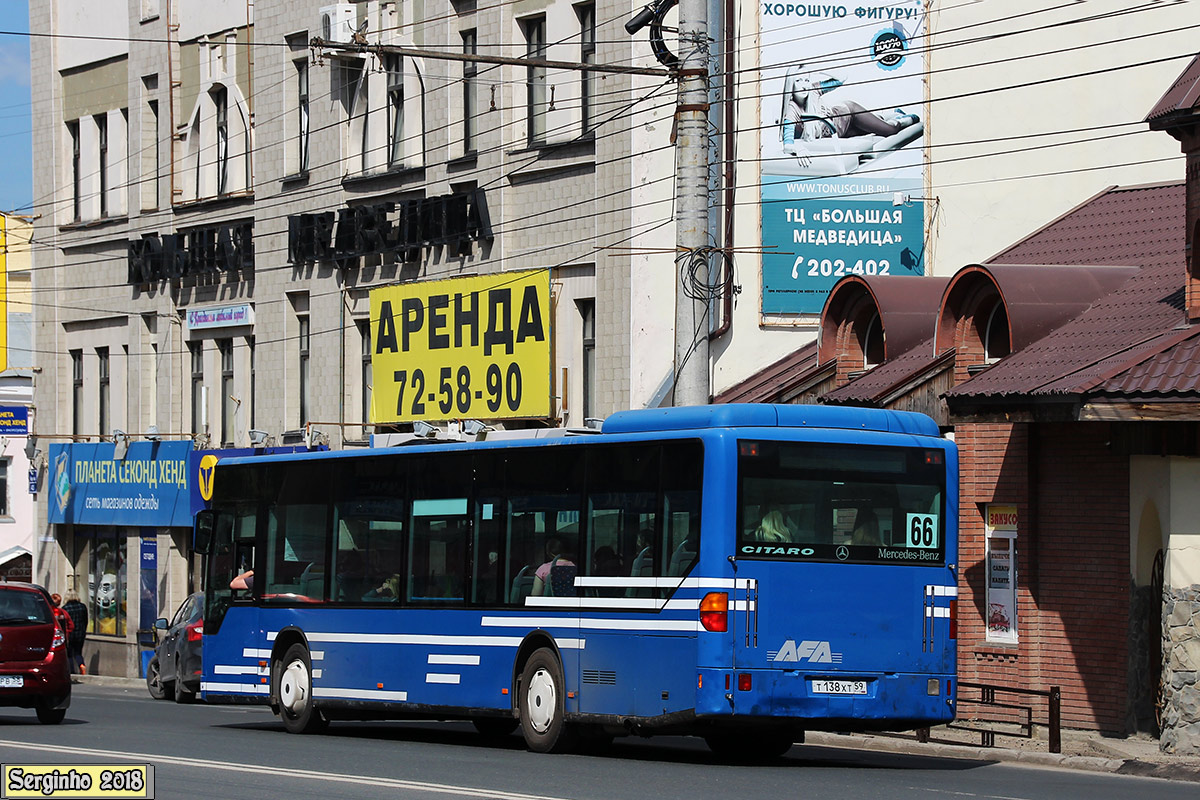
544	490
683	465
437	534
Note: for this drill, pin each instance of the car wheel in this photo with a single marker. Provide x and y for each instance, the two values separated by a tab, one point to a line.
182	694
542	699
293	690
154	680
50	716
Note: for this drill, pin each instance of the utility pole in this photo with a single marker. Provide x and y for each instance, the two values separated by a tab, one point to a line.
691	207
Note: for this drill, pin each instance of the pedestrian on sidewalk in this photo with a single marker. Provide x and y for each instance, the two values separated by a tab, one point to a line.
78	613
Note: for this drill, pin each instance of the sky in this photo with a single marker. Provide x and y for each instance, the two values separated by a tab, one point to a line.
16	122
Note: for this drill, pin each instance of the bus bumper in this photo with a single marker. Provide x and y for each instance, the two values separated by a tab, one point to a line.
829	701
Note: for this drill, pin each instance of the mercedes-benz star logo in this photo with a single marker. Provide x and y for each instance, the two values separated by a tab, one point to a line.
843	553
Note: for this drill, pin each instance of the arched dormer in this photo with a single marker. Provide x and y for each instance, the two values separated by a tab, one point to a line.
988	311
869	319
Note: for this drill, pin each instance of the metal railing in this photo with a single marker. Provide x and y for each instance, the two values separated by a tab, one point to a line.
990	717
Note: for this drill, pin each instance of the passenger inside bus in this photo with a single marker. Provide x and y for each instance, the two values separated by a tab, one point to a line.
866	528
773	529
552	577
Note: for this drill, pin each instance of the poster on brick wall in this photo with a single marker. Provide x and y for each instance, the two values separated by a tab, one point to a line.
1001	573
841	142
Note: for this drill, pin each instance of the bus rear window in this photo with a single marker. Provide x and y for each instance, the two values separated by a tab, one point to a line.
825	502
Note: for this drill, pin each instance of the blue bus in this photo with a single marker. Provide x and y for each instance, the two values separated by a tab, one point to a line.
742	573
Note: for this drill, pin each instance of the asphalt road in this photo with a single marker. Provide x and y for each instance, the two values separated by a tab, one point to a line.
234	752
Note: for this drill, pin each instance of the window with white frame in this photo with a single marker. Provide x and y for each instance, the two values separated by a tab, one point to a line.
364	332
587	55
196	349
229	402
394	66
104	388
102	167
217	138
76	174
76	392
470	74
302	115
304	363
535	80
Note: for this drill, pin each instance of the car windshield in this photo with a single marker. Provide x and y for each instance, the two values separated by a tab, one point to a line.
18	607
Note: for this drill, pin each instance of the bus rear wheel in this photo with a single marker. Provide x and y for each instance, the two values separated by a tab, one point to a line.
293	690
542	705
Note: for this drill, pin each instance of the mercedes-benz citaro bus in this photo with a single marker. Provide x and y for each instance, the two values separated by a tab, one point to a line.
742	573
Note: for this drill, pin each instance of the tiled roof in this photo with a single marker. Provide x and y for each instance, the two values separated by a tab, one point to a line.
1134	226
773	380
1140	226
875	385
1183	96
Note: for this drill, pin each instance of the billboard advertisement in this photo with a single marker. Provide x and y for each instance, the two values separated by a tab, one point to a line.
841	144
462	348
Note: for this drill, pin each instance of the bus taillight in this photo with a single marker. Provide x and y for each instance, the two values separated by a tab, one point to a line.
953	619
714	612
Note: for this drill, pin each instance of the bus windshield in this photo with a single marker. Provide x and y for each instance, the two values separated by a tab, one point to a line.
828	502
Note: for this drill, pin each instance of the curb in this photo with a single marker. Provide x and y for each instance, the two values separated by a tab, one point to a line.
1117	766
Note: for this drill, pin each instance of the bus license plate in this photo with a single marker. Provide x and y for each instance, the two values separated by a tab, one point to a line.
11	681
839	687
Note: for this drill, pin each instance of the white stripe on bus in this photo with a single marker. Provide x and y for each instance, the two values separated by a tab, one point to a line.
435	677
596	624
431	639
250	652
225	669
937	612
462	661
236	688
330	693
316	673
934	590
597	582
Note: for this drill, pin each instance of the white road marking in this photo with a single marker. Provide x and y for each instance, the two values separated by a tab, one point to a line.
966	794
261	769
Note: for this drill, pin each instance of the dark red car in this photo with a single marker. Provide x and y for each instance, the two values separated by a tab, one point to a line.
34	669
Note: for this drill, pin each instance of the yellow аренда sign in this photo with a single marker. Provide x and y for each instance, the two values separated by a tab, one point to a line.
459	348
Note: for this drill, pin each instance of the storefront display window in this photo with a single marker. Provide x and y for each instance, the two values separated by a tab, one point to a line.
1001	573
106	583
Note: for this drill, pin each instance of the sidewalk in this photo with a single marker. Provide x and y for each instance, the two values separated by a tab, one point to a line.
1135	755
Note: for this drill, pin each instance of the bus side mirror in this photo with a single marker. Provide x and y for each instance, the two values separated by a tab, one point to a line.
202	533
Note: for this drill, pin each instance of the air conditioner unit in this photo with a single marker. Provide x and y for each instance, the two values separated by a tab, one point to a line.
337	23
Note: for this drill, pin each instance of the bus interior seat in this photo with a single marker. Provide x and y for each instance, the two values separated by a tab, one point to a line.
561	581
682	558
522	586
643	567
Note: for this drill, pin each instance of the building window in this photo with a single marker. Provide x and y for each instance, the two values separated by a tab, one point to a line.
105	387
587	312
394	66
535	79
302	113
228	401
587	55
470	72
106	583
77	392
304	362
221	101
253	387
102	169
364	332
4	487
73	132
150	151
197	351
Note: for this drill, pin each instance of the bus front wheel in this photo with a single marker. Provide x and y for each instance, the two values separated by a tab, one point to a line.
293	689
542	704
